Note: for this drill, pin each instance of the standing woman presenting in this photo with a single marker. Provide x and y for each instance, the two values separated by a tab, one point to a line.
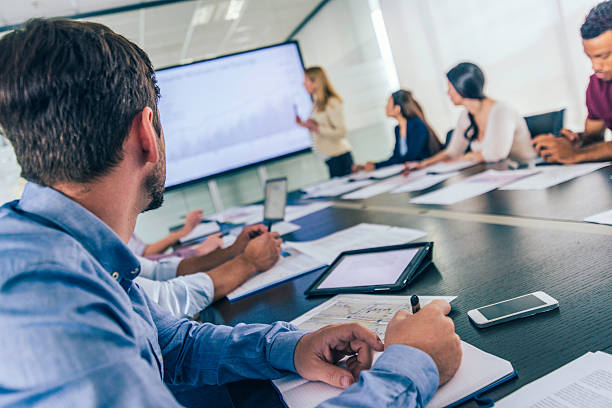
326	123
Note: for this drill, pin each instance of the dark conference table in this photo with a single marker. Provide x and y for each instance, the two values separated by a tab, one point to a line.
573	200
480	264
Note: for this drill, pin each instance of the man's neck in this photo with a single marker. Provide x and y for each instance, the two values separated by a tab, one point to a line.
115	203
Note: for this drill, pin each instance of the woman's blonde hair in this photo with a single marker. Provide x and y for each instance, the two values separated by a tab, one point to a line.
325	89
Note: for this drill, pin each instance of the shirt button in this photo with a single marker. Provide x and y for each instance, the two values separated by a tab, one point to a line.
115	275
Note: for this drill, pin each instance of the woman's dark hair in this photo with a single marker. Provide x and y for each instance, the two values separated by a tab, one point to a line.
69	91
410	108
468	80
598	21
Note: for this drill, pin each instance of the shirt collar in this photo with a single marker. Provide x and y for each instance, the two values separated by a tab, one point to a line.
95	236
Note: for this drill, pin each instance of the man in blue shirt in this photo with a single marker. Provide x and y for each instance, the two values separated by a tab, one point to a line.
79	105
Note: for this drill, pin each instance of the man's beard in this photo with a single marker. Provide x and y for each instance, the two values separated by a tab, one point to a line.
154	186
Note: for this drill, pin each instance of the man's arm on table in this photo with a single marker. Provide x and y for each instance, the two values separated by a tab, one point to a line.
204	263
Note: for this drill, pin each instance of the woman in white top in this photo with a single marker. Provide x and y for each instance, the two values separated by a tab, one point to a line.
326	123
488	130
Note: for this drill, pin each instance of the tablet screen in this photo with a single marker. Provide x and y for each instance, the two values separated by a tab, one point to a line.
369	269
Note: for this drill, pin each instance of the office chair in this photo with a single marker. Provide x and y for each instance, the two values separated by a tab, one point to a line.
550	122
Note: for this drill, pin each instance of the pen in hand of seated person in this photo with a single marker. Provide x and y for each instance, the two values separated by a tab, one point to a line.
410	166
415	303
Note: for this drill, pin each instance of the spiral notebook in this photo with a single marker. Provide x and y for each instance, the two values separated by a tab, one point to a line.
479	371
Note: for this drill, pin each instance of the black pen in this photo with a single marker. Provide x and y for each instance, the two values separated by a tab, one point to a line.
414	302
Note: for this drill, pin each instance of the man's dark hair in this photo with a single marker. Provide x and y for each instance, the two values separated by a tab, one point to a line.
69	91
598	21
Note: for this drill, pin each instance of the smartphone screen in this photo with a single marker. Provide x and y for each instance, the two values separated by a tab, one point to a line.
511	306
275	199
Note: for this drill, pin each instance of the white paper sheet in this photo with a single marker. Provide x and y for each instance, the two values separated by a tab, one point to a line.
360	236
478	368
293	212
555	174
251	214
285	227
417	181
337	188
450	166
248	214
473	186
375	189
583	383
203	228
601	218
292	264
380	173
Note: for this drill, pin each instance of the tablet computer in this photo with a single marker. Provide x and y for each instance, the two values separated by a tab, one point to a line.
373	270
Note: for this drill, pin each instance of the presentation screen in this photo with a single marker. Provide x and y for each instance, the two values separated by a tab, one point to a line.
232	112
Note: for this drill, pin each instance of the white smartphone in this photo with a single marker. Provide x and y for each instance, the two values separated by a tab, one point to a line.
511	309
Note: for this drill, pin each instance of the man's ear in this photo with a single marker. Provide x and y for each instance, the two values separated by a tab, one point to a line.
147	137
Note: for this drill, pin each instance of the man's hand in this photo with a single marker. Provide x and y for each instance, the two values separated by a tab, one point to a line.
555	149
431	331
317	352
263	252
247	234
569	135
192	219
211	243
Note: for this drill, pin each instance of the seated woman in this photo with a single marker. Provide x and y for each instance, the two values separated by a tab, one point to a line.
414	137
488	130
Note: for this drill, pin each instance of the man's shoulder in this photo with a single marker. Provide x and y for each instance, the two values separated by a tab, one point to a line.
28	244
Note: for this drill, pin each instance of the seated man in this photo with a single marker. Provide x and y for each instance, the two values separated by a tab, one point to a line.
187	286
79	105
589	145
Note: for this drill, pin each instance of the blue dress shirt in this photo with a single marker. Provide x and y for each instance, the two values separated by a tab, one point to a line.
76	331
415	146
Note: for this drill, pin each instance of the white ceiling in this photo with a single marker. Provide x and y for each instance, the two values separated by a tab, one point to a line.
183	31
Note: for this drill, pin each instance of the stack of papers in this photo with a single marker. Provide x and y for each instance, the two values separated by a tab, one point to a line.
585	382
478	369
450	166
473	186
360	236
552	175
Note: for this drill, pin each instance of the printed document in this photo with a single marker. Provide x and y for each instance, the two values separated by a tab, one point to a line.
583	383
292	263
473	186
335	187
360	236
478	369
556	174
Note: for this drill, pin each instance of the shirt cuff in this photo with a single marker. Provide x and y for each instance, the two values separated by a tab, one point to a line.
283	349
413	364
